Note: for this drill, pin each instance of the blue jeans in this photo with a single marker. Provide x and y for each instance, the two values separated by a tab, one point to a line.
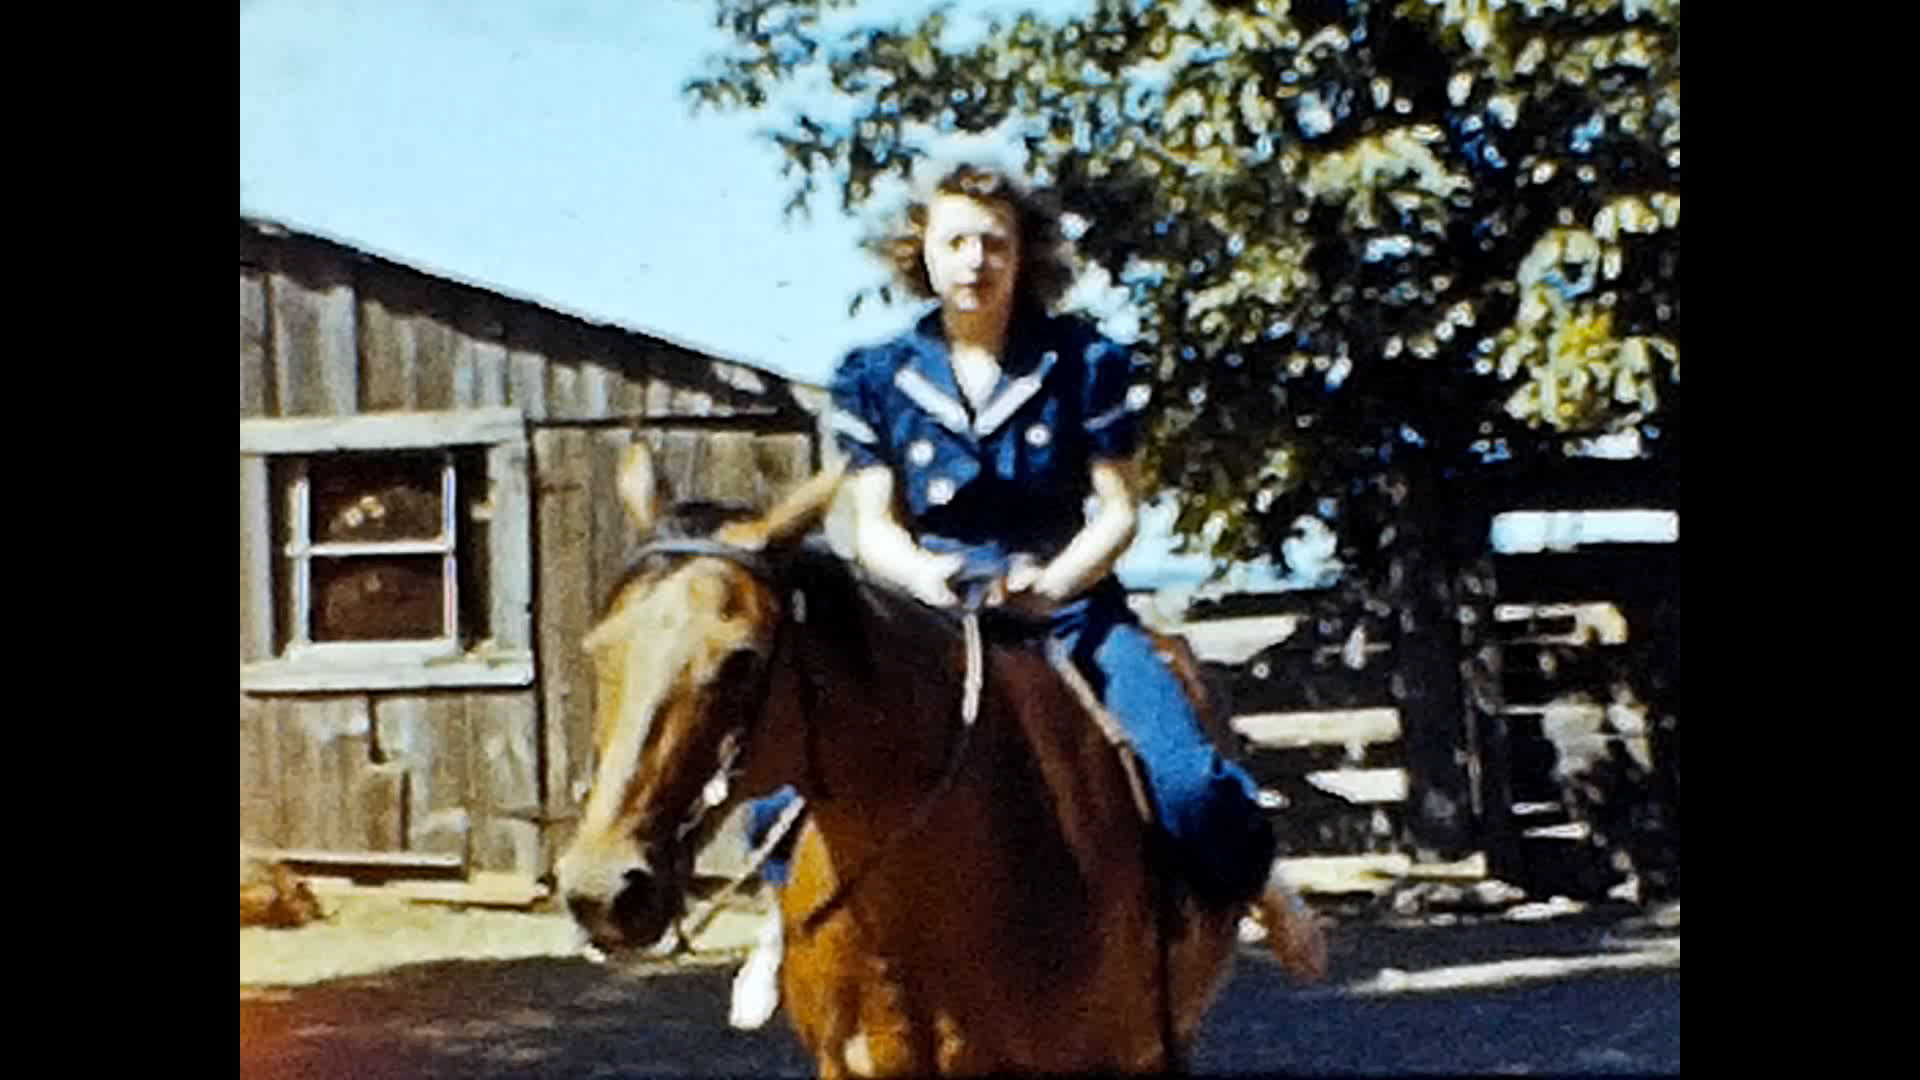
1220	837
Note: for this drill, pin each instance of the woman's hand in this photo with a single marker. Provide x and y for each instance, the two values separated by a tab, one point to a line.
1019	591
932	580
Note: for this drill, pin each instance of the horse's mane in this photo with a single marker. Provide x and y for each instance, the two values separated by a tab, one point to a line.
691	519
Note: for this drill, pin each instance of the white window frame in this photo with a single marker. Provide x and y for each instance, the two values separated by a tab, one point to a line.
504	654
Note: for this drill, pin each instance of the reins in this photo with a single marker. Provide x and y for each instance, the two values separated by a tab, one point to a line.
738	741
973	686
956	757
1160	899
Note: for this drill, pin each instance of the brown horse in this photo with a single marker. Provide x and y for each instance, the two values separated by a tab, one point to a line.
963	899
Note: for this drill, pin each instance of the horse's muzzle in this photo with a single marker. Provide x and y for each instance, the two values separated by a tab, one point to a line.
636	914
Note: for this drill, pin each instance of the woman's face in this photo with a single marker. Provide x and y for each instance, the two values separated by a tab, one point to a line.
972	250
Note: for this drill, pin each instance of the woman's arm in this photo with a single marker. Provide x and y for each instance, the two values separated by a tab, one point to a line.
884	547
1095	548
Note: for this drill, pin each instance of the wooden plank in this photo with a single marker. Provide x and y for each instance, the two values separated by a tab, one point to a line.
313	673
256	561
527	383
510	540
311	320
1336	727
447	768
486	349
1343	874
732	471
464	378
389	354
323	739
384	431
380	797
659	397
1362	785
630	390
442	821
259	774
489	373
1236	641
563	390
436	361
254	376
399	729
690	402
364	865
614	534
407	738
303	780
480	354
784	460
507	846
1526	532
680	460
598	387
1471	868
352	753
480	889
563	551
614	538
503	729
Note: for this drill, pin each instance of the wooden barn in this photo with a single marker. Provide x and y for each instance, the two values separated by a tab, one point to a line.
427	528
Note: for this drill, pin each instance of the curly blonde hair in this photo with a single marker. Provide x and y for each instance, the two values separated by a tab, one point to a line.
1045	270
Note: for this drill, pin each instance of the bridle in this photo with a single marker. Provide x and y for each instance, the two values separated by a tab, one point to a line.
738	738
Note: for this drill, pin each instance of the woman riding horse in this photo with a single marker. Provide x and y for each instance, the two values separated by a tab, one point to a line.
973	442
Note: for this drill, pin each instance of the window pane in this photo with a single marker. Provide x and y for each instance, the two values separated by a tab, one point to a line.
373	497
388	598
475	558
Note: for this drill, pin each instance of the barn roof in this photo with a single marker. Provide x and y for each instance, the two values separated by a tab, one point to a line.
267	244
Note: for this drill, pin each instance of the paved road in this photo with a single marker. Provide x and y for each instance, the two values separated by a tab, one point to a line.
1468	999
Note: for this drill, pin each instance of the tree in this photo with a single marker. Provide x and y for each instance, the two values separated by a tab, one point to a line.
1370	244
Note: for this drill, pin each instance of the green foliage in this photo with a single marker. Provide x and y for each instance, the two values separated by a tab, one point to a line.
1353	231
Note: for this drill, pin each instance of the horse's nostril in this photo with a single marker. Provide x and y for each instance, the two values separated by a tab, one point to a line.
585	910
635	887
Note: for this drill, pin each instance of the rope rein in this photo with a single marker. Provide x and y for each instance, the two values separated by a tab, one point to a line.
972	687
1160	898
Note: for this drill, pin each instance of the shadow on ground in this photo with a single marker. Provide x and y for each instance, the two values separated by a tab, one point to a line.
553	1017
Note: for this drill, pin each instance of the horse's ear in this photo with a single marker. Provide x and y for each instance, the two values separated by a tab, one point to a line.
639	487
792	517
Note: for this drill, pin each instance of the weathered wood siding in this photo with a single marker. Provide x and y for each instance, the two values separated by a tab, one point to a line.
491	774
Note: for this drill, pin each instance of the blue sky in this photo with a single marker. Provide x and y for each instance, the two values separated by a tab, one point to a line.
545	150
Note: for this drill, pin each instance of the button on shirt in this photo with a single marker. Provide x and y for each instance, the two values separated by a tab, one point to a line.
1014	473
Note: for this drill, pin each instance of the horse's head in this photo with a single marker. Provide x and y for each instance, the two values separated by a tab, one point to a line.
680	662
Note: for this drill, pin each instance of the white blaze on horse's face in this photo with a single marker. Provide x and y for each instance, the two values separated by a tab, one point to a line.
673	664
972	251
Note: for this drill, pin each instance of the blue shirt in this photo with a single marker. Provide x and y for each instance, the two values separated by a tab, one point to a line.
1014	475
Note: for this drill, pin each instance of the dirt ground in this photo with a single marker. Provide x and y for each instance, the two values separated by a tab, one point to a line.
1552	993
370	934
367	935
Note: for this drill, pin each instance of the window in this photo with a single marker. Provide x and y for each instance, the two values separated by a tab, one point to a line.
391	551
